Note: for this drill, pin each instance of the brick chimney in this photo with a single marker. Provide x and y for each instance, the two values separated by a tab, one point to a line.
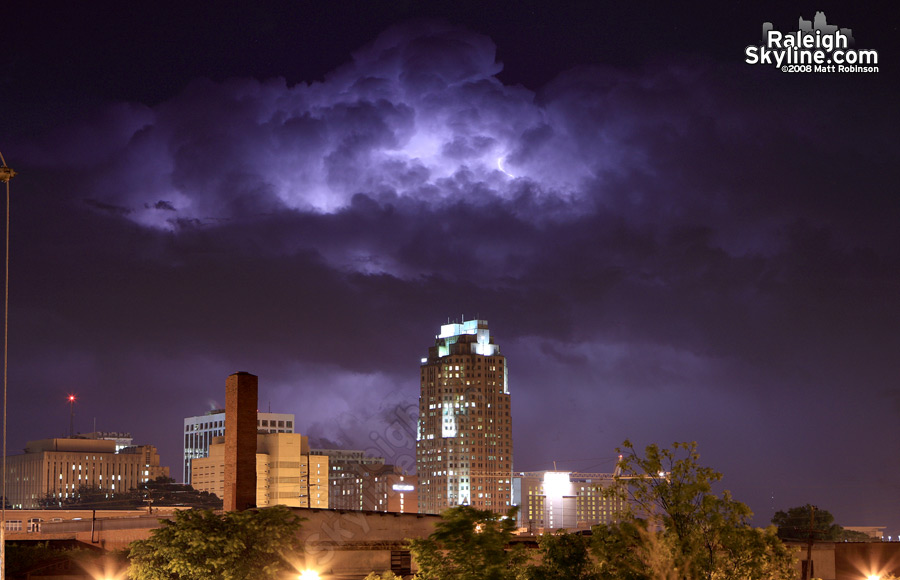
241	397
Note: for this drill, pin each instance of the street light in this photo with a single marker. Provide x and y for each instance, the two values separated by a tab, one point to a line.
6	173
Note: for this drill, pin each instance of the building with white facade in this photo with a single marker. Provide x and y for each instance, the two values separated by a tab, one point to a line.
199	432
554	500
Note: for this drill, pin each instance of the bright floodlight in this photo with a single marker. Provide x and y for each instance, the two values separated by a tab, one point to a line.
556	484
873	577
309	575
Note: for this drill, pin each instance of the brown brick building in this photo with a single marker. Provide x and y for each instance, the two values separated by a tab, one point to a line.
377	488
464	439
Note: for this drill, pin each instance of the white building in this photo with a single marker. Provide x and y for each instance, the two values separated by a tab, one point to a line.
554	500
200	431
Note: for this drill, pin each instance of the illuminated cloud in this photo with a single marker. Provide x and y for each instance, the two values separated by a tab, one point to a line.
676	250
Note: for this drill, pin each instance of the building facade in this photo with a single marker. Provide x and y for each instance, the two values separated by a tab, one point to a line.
376	488
464	435
286	472
347	464
553	500
122	439
56	468
201	430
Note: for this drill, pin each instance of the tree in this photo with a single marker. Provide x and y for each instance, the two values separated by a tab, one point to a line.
674	517
468	544
627	551
200	545
854	536
162	491
807	522
386	575
563	557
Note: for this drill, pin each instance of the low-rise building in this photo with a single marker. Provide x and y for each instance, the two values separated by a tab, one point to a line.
57	468
286	472
344	468
553	500
378	488
200	431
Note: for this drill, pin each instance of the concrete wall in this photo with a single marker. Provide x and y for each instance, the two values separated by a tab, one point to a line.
340	542
855	560
822	557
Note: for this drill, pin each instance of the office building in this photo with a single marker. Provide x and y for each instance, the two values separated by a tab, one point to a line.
200	431
377	488
553	500
346	464
286	472
57	468
464	435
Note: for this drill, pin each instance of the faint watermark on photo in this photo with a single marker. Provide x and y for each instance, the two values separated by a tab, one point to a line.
815	47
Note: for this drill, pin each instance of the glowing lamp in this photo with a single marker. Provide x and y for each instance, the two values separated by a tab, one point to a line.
308	575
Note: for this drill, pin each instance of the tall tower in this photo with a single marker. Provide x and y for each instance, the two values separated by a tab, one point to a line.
241	396
464	439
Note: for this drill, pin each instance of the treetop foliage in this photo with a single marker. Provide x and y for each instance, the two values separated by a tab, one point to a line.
675	529
201	545
563	556
468	544
807	522
162	491
676	523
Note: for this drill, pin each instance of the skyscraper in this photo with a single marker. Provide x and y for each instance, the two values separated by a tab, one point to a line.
464	438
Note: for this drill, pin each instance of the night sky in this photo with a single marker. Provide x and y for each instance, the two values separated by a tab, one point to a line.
669	244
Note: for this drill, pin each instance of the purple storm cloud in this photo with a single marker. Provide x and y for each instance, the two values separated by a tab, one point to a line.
676	251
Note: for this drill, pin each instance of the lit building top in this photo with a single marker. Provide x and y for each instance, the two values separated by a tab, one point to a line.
470	336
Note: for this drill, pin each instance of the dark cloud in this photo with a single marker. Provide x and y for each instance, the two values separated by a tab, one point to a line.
673	251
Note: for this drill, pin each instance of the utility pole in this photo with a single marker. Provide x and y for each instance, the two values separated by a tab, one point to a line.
808	569
6	173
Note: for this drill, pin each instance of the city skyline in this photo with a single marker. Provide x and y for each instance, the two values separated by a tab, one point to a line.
670	244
